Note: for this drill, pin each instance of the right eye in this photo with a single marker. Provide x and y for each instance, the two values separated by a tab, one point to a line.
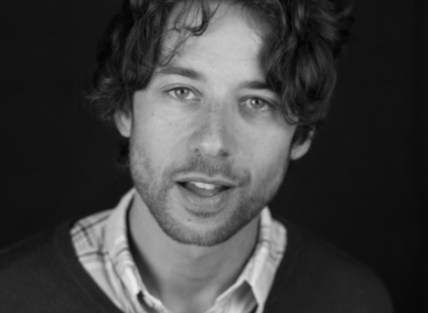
182	93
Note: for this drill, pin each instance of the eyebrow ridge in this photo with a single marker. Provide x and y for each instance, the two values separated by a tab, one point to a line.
256	84
179	70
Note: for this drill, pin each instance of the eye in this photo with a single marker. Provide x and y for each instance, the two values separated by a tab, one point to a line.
182	93
257	104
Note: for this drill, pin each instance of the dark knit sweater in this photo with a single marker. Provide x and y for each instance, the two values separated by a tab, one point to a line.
44	275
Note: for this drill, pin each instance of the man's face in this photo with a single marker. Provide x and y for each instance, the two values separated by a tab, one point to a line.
208	147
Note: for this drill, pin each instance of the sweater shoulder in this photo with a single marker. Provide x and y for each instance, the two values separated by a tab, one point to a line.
27	259
43	274
316	276
27	269
15	251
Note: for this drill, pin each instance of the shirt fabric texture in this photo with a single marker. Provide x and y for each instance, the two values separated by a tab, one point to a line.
43	274
101	244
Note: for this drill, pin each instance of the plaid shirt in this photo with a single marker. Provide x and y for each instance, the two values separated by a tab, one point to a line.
101	245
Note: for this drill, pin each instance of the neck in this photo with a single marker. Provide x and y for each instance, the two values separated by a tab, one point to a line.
185	277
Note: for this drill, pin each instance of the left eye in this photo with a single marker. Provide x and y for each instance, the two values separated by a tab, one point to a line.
257	104
182	93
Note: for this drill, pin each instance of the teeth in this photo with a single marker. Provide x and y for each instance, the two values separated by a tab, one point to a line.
204	186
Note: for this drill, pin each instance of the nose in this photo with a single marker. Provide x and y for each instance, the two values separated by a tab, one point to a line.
213	135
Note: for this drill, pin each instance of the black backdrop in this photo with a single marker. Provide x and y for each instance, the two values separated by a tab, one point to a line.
363	186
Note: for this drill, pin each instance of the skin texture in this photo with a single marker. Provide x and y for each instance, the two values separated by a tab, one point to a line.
204	117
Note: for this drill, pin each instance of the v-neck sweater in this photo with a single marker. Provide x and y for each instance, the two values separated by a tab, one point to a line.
43	274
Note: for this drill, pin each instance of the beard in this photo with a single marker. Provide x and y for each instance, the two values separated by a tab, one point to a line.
243	205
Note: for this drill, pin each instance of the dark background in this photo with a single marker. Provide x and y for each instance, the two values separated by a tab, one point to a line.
363	186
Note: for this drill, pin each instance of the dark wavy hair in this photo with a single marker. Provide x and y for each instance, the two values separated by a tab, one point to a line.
301	41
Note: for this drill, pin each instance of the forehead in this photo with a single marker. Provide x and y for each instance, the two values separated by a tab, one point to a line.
191	26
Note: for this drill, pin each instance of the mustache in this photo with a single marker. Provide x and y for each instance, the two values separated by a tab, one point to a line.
209	168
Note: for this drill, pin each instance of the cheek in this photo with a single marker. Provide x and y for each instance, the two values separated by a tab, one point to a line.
274	153
273	162
270	145
159	134
269	154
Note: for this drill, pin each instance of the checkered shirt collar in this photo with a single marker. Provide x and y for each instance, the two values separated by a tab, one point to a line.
258	272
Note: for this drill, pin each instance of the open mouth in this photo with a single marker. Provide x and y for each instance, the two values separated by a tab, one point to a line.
204	190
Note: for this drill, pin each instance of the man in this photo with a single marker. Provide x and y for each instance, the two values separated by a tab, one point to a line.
214	99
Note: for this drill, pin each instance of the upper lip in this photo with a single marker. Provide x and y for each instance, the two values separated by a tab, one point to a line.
199	179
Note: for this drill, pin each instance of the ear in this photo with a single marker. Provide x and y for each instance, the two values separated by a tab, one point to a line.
123	121
299	149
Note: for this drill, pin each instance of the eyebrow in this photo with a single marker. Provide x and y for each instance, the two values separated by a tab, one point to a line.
179	70
256	84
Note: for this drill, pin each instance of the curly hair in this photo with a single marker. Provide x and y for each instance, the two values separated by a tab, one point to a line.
301	41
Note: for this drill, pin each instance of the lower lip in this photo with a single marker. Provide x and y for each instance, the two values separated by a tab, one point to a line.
205	206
